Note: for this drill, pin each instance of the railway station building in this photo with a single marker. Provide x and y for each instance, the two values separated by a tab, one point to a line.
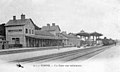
23	31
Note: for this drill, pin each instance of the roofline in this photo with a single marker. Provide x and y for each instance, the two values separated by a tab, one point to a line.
59	28
35	24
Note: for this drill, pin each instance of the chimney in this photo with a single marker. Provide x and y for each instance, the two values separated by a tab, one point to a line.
22	17
48	25
14	17
53	24
64	32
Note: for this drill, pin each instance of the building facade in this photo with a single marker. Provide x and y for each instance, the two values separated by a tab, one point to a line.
17	29
23	31
56	31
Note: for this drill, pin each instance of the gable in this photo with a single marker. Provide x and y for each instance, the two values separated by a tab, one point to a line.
36	27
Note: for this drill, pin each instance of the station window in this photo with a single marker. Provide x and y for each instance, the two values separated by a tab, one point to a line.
16	40
26	31
16	30
13	38
32	32
29	31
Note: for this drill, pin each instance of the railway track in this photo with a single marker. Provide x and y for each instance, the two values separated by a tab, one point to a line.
64	56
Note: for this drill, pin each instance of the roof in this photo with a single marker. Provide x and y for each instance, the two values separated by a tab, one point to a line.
60	35
82	33
20	22
41	36
51	28
44	37
44	33
70	36
96	34
16	22
36	27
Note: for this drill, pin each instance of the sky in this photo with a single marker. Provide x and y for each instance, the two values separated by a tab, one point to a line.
71	15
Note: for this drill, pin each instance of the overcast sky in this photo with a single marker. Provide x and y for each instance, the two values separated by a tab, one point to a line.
71	15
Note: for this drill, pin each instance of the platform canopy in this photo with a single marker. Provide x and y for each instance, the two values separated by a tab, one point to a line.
83	33
96	34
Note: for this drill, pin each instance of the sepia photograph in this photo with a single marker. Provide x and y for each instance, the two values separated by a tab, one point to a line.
59	35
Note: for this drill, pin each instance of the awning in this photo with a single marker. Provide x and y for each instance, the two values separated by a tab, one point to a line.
44	37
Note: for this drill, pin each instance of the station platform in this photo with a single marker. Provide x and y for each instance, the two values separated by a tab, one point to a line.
28	54
22	55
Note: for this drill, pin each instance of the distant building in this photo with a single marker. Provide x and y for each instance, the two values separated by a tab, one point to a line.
72	39
64	39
